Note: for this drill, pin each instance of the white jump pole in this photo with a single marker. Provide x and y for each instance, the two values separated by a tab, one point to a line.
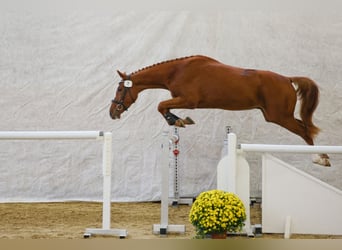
106	165
50	135
305	149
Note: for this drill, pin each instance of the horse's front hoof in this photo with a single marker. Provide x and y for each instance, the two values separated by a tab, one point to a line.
180	123
189	121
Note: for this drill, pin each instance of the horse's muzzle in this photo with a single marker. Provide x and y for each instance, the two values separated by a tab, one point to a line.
115	114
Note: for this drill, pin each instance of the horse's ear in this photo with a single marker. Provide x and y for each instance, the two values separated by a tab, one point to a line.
122	75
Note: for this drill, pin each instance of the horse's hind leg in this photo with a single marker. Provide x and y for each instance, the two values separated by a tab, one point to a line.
297	127
165	106
321	159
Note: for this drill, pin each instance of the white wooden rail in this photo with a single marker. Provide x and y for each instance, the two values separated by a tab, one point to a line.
106	137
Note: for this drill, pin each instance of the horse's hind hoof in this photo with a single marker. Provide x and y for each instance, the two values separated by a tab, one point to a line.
323	161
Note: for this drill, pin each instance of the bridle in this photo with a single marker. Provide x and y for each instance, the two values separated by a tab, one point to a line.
127	87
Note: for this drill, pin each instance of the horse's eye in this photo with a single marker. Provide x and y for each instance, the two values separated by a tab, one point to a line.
119	89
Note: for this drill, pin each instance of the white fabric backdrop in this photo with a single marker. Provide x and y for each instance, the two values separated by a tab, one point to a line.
57	72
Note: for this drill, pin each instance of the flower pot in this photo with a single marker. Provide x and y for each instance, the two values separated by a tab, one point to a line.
219	236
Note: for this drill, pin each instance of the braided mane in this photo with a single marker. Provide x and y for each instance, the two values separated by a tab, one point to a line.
164	62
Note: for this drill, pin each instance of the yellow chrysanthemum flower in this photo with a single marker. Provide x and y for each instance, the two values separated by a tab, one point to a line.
217	211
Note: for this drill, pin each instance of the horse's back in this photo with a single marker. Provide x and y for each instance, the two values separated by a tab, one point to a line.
210	83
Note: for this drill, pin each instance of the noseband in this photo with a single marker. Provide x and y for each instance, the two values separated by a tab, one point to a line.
127	86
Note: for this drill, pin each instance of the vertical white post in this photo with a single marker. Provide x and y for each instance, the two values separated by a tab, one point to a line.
163	228
231	175
242	188
164	165
233	178
175	166
287	230
107	169
107	176
226	169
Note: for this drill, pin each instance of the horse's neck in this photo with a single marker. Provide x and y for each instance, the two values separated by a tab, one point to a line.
153	78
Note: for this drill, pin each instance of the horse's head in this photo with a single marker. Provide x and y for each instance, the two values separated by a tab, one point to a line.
126	94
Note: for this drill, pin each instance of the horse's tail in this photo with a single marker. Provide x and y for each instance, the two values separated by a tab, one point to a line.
308	92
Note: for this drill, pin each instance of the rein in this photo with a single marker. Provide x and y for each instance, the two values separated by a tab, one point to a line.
127	87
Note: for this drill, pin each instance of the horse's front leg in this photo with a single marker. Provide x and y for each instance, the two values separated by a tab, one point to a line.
175	103
172	119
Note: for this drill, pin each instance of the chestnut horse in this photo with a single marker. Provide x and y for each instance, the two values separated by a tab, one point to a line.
203	82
